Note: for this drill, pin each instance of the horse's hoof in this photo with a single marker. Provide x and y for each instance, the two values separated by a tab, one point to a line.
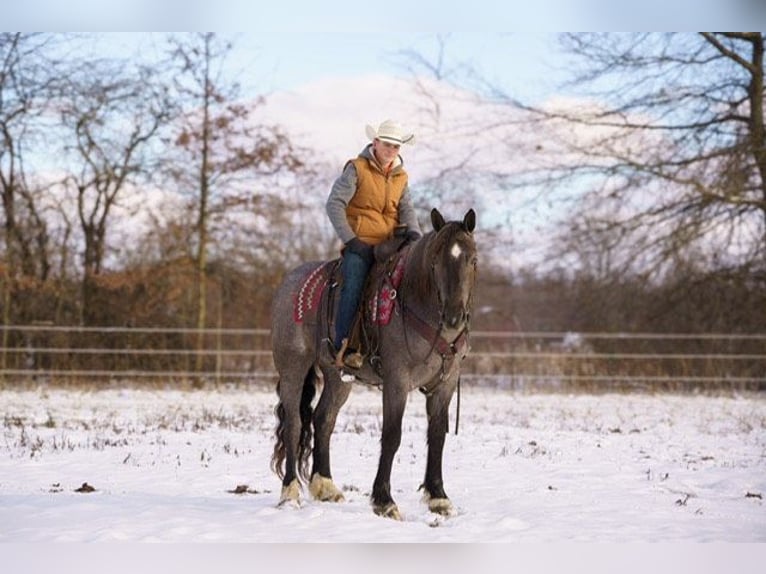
291	494
389	510
324	489
441	506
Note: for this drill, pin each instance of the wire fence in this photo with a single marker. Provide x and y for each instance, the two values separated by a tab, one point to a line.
545	360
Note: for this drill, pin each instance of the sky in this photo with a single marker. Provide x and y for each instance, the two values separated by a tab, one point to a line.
522	62
307	48
296	42
527	65
325	87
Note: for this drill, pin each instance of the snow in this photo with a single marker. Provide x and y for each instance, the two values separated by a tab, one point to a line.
524	467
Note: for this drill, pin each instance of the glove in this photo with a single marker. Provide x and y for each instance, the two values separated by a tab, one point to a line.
362	249
413	235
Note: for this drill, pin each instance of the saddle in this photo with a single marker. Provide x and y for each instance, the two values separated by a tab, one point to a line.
317	297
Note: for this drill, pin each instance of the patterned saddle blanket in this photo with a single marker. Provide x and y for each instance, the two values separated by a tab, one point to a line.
308	296
381	290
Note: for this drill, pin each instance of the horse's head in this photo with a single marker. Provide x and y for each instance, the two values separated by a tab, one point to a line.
453	257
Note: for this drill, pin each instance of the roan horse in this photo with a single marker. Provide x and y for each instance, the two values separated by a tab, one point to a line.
420	347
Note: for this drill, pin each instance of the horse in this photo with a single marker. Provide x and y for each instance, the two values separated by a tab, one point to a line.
420	347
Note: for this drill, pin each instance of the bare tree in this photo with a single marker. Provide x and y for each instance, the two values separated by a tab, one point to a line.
670	150
112	114
223	152
27	74
26	77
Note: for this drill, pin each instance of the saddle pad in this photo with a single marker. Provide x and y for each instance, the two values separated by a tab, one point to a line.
381	304
306	299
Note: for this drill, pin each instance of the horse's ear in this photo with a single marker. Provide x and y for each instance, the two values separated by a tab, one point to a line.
437	220
469	221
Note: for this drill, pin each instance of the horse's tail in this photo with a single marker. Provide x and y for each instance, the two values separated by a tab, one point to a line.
307	413
278	456
304	443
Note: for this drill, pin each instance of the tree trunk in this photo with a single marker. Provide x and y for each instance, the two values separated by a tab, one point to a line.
757	129
202	221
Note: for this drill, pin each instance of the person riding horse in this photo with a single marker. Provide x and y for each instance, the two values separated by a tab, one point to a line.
367	203
420	344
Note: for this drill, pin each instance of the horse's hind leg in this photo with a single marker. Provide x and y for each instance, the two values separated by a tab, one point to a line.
334	396
295	389
437	408
290	435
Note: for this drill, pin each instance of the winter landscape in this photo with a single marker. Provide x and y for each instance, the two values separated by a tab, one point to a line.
164	465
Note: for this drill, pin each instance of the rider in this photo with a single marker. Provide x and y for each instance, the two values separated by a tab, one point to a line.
367	202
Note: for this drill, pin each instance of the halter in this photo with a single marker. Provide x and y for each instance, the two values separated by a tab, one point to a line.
448	351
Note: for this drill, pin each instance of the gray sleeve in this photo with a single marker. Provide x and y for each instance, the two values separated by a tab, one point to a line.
407	213
341	193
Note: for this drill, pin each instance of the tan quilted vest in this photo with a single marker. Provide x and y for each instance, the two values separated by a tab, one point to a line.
373	212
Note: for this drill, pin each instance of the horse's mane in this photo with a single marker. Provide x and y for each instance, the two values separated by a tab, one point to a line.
416	283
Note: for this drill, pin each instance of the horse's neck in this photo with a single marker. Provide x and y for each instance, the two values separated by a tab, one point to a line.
417	290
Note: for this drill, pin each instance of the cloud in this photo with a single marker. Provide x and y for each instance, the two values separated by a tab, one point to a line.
453	126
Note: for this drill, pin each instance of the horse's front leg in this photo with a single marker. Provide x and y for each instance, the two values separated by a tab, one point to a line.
334	396
437	409
394	401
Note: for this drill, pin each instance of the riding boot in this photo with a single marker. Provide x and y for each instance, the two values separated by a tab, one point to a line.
340	352
352	359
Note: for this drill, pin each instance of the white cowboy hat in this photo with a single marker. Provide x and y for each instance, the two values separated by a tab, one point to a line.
391	132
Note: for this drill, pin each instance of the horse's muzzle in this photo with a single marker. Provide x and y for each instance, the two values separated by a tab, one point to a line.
454	318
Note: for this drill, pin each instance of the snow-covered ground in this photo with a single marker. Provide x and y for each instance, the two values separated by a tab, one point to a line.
165	465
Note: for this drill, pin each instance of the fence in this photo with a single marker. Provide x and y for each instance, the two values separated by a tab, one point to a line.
57	354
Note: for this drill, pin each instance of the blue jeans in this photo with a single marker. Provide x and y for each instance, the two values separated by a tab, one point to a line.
354	272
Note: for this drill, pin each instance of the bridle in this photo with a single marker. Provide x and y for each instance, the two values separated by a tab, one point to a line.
449	351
